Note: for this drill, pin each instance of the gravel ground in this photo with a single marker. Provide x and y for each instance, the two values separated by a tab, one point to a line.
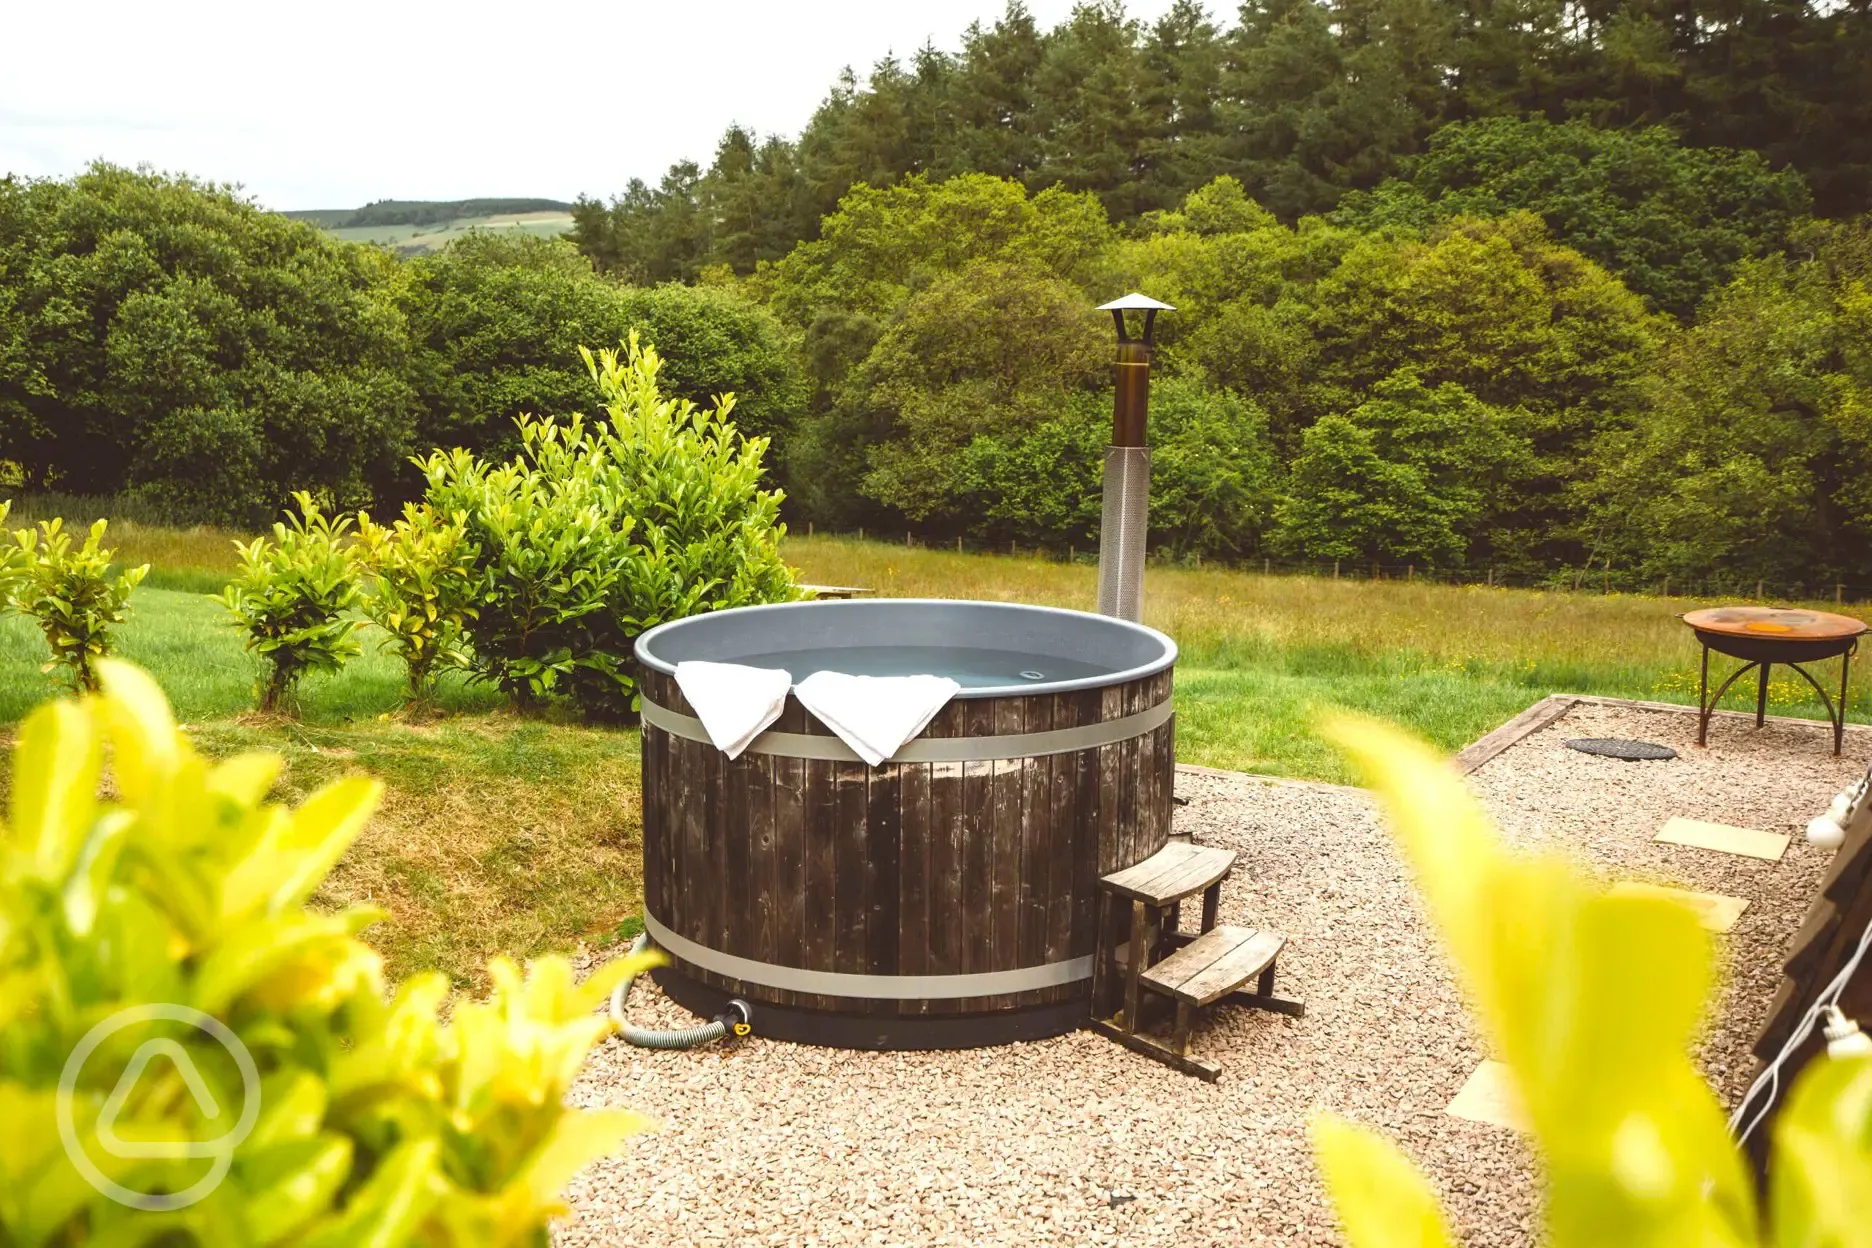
1077	1141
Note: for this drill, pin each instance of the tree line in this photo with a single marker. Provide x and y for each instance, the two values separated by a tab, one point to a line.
167	342
1531	345
1301	101
1459	391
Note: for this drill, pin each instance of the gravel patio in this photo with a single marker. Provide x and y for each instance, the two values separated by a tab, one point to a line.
1077	1141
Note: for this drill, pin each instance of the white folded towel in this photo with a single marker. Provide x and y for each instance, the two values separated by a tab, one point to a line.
875	715
735	703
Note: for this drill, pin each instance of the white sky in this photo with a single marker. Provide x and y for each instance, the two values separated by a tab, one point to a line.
336	103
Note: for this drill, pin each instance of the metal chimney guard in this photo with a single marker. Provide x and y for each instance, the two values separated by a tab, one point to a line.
1124	520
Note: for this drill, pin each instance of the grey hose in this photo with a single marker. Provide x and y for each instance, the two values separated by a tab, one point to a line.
734	1019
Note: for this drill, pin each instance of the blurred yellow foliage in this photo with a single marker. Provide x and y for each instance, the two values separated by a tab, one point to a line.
1592	1000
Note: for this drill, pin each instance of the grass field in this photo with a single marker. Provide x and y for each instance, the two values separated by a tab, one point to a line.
1262	656
520	835
415	239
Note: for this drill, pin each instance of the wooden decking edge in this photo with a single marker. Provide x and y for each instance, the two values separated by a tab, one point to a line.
1522	726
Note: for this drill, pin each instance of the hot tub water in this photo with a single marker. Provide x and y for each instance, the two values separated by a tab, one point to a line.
972	667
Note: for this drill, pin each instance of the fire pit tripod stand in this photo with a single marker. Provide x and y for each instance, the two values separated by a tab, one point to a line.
1764	636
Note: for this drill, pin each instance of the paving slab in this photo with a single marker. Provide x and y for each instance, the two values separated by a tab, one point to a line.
1489	1095
1724	838
1714	911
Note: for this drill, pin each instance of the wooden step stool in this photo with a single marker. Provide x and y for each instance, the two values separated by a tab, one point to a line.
1193	969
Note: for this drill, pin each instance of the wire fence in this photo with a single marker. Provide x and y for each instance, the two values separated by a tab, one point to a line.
1598	578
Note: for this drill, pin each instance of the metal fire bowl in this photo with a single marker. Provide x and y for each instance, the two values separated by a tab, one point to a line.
1774	634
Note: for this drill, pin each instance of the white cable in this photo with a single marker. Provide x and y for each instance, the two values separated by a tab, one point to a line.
1771	1077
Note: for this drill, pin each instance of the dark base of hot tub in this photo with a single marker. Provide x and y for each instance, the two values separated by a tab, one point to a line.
880	1031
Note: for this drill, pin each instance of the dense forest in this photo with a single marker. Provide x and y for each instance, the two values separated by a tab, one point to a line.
1519	288
1301	101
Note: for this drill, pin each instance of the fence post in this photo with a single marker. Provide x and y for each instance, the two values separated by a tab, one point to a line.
1267	566
1410	572
1335	569
1608	575
1839	593
1758	591
809	528
861	532
958	545
1072	554
1667	585
1491	576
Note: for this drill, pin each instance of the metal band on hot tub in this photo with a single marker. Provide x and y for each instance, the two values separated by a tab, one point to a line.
884	987
933	749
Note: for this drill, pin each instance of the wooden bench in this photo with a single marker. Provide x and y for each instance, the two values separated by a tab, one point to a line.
1192	969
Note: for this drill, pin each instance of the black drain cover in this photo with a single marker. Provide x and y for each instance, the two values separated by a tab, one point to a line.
1618	747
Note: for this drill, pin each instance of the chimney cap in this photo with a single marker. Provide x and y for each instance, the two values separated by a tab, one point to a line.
1136	302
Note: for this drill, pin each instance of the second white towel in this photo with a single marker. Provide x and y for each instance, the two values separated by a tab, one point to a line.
875	715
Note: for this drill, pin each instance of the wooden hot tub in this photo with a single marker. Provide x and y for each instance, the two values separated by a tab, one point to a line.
944	899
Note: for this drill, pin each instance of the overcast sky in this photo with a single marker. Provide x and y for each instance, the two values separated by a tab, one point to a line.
334	104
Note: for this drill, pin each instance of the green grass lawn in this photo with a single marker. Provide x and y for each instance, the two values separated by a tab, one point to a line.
521	835
496	833
1262	657
185	640
435	236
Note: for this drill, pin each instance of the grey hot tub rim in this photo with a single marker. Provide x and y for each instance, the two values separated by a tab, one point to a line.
1137	651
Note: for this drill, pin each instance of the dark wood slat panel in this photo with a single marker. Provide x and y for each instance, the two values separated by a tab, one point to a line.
689	780
1062	837
946	866
850	892
1088	860
762	857
883	870
978	844
650	769
789	868
713	867
821	873
1005	905
1114	849
1036	849
734	832
914	880
1131	834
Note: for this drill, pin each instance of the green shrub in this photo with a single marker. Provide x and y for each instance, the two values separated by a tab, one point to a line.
707	535
292	596
423	591
1593	1001
377	1123
596	532
72	595
12	561
547	550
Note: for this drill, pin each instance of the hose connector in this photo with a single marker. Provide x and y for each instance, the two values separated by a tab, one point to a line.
737	1016
736	1019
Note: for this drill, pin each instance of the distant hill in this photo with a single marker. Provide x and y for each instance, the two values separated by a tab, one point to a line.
414	226
423	212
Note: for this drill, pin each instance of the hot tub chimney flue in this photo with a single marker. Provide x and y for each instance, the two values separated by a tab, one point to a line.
1124	520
